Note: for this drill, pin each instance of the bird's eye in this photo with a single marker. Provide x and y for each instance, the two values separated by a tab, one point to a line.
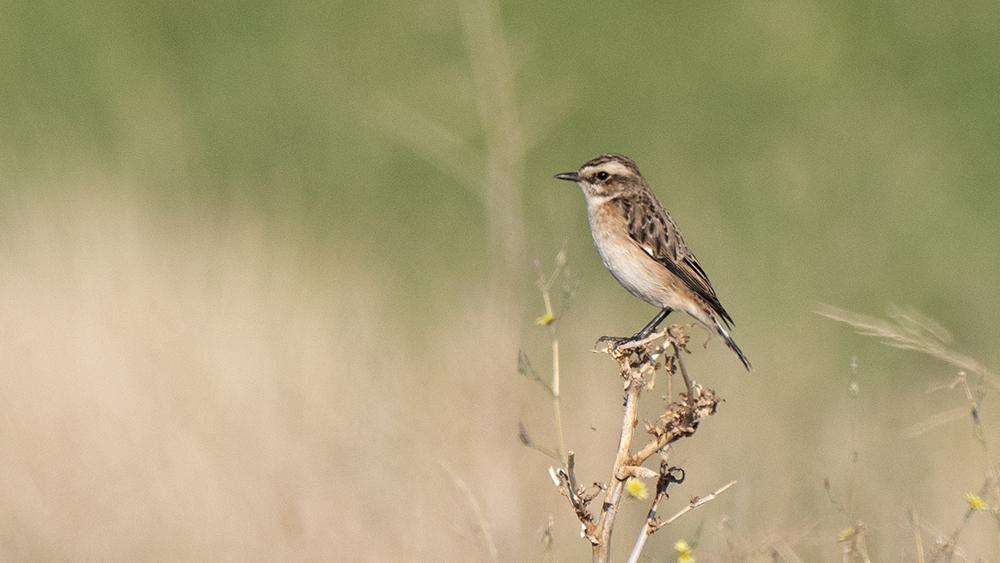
603	175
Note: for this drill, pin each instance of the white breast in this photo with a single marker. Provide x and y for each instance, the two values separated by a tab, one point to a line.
642	276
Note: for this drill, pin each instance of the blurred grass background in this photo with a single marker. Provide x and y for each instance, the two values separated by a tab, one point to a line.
264	265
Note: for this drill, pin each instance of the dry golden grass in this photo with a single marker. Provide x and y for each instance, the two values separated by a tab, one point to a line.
195	383
173	389
188	386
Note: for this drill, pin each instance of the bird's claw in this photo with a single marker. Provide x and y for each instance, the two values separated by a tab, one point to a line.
614	339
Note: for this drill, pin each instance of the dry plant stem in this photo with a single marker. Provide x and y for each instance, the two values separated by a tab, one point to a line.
784	549
496	173
647	530
910	330
493	76
544	285
637	360
919	542
697	503
680	420
555	398
484	526
948	548
579	503
856	550
650	525
684	373
616	485
980	433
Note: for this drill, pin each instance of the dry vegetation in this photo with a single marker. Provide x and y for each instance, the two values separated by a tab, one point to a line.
638	363
198	385
203	381
911	330
181	386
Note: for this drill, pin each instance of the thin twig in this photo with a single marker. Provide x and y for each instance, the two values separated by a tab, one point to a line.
784	549
526	439
684	373
980	434
557	409
916	537
697	503
947	549
579	498
640	542
679	421
484	526
551	320
650	525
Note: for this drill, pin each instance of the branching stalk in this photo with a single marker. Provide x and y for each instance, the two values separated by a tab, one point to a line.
551	320
638	365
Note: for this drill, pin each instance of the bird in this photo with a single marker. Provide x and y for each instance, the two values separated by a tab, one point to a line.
643	249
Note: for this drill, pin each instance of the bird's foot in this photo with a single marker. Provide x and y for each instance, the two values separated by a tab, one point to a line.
615	341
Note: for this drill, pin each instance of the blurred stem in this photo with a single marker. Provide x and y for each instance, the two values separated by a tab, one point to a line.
853	392
947	548
916	537
980	434
555	398
477	511
493	78
496	172
550	320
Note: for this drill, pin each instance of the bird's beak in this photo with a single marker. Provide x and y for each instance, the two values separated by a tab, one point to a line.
571	176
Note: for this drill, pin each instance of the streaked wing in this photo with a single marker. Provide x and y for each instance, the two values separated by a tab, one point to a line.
654	231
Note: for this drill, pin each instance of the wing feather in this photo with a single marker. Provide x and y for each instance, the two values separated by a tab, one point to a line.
655	232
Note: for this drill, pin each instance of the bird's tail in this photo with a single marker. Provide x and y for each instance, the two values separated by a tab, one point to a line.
732	344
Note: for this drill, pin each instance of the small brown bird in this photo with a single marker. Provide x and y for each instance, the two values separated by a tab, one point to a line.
641	246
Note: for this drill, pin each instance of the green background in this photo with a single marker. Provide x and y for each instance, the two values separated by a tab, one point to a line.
268	265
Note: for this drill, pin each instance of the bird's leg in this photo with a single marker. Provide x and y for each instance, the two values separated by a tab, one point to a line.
617	341
653	324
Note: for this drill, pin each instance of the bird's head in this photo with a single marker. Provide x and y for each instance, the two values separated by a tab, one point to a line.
606	176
